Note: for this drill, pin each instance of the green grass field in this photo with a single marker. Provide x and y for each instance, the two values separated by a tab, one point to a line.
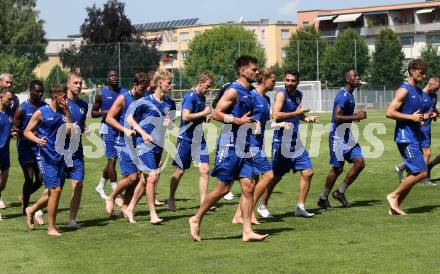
363	239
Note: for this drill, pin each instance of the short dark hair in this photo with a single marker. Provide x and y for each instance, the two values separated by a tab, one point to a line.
140	78
417	64
57	88
34	83
345	72
112	70
293	72
244	61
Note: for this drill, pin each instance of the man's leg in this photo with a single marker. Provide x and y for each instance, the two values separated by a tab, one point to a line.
174	183
210	200
152	179
28	173
3	180
433	163
396	197
121	186
246	202
108	173
52	208
304	186
203	180
352	174
75	201
330	181
426	156
39	204
137	195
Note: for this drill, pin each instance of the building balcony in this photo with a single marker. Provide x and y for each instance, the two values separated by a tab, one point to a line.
167	46
428	27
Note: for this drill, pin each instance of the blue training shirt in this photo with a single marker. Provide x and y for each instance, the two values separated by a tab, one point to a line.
244	104
28	110
78	112
345	101
291	103
5	132
409	131
429	104
128	100
261	113
108	97
194	103
51	121
150	114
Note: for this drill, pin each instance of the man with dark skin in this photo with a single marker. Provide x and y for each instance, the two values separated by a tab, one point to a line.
343	147
27	150
103	102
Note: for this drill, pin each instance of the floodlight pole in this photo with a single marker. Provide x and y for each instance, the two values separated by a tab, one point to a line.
317	60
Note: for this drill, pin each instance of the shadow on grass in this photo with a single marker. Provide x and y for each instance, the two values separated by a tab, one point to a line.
20	215
366	203
422	209
86	223
272	231
436	180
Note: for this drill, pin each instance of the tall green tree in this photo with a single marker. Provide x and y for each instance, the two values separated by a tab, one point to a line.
306	46
110	42
431	55
387	60
216	49
349	50
22	41
20	67
57	75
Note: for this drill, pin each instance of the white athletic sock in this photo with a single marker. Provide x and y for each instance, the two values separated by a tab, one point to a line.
39	213
402	166
301	206
114	184
325	193
263	206
102	182
342	187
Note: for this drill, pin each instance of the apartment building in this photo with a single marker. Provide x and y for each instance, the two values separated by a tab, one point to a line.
173	37
415	23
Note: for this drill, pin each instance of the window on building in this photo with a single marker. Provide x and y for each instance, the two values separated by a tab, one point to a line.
433	39
283	54
263	34
184	36
407	41
306	23
285	34
183	55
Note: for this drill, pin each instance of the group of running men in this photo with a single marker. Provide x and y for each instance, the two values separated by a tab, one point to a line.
135	121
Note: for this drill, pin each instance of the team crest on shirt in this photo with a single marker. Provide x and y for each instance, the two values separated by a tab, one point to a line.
64	118
166	110
82	110
298	101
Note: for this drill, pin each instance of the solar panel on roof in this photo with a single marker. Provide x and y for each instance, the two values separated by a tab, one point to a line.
166	24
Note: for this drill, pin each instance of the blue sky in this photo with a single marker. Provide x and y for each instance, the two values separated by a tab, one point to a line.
64	17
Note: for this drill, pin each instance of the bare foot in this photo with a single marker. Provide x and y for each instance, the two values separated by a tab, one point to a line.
53	232
158	203
109	206
29	218
156	221
2	205
254	237
39	220
392	212
194	228
171	205
119	201
128	213
394	204
254	221
237	220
